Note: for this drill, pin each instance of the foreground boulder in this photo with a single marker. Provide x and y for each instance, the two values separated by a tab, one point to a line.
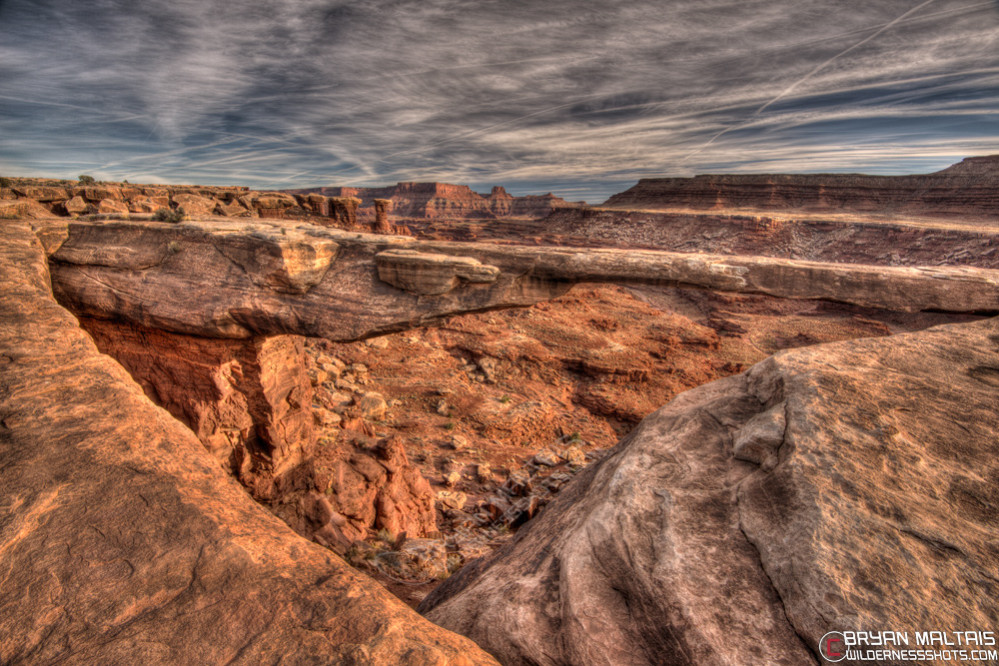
121	540
844	487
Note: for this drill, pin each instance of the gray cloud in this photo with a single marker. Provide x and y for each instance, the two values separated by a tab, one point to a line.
581	98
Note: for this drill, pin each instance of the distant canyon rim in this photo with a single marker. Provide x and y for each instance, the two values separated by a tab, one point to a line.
708	421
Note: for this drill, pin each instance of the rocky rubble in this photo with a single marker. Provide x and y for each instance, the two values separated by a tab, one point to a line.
838	487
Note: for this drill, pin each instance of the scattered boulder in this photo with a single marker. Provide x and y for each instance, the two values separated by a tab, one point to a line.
418	559
112	207
372	406
546	458
77	206
450	499
194	206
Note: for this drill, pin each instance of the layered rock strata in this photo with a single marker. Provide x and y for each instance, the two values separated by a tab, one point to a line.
842	487
446	201
344	211
122	541
382	208
39	199
826	240
279	279
967	189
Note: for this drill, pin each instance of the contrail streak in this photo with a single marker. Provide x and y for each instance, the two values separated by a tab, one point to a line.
815	70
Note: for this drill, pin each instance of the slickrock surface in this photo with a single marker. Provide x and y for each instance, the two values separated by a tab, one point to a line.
969	189
228	279
445	201
839	487
121	541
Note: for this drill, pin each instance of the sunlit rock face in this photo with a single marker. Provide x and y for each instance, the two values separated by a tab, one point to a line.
827	488
123	540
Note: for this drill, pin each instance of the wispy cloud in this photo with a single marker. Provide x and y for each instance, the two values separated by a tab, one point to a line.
578	97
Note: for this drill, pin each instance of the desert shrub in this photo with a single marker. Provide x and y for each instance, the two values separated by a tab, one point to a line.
6	182
167	215
86	180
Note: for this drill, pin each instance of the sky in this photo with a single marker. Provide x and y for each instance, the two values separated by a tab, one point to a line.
577	97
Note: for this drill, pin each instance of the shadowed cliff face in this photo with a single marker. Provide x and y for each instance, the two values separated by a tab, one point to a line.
122	541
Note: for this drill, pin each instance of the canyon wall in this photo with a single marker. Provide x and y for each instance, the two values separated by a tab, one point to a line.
446	201
969	189
880	243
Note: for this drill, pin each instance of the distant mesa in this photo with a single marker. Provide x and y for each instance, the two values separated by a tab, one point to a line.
967	189
344	207
446	201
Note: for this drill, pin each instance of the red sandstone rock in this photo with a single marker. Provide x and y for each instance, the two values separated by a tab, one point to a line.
112	207
445	201
968	189
344	211
382	208
250	404
121	541
811	238
194	205
826	489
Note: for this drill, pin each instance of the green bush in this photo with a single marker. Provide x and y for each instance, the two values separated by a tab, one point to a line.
167	215
86	180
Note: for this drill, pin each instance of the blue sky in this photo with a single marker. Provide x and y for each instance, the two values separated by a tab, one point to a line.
580	98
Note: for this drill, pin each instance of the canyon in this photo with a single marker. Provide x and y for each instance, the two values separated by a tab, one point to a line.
446	201
260	401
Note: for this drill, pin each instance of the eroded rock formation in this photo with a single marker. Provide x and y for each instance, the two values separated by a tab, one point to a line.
121	539
879	243
344	211
840	487
969	189
381	224
445	201
232	280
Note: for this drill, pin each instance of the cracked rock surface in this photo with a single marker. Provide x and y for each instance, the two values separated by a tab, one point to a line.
848	486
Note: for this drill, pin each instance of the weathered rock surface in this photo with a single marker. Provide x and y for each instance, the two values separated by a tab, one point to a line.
344	211
967	189
50	198
121	540
226	279
381	224
850	486
250	403
879	243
